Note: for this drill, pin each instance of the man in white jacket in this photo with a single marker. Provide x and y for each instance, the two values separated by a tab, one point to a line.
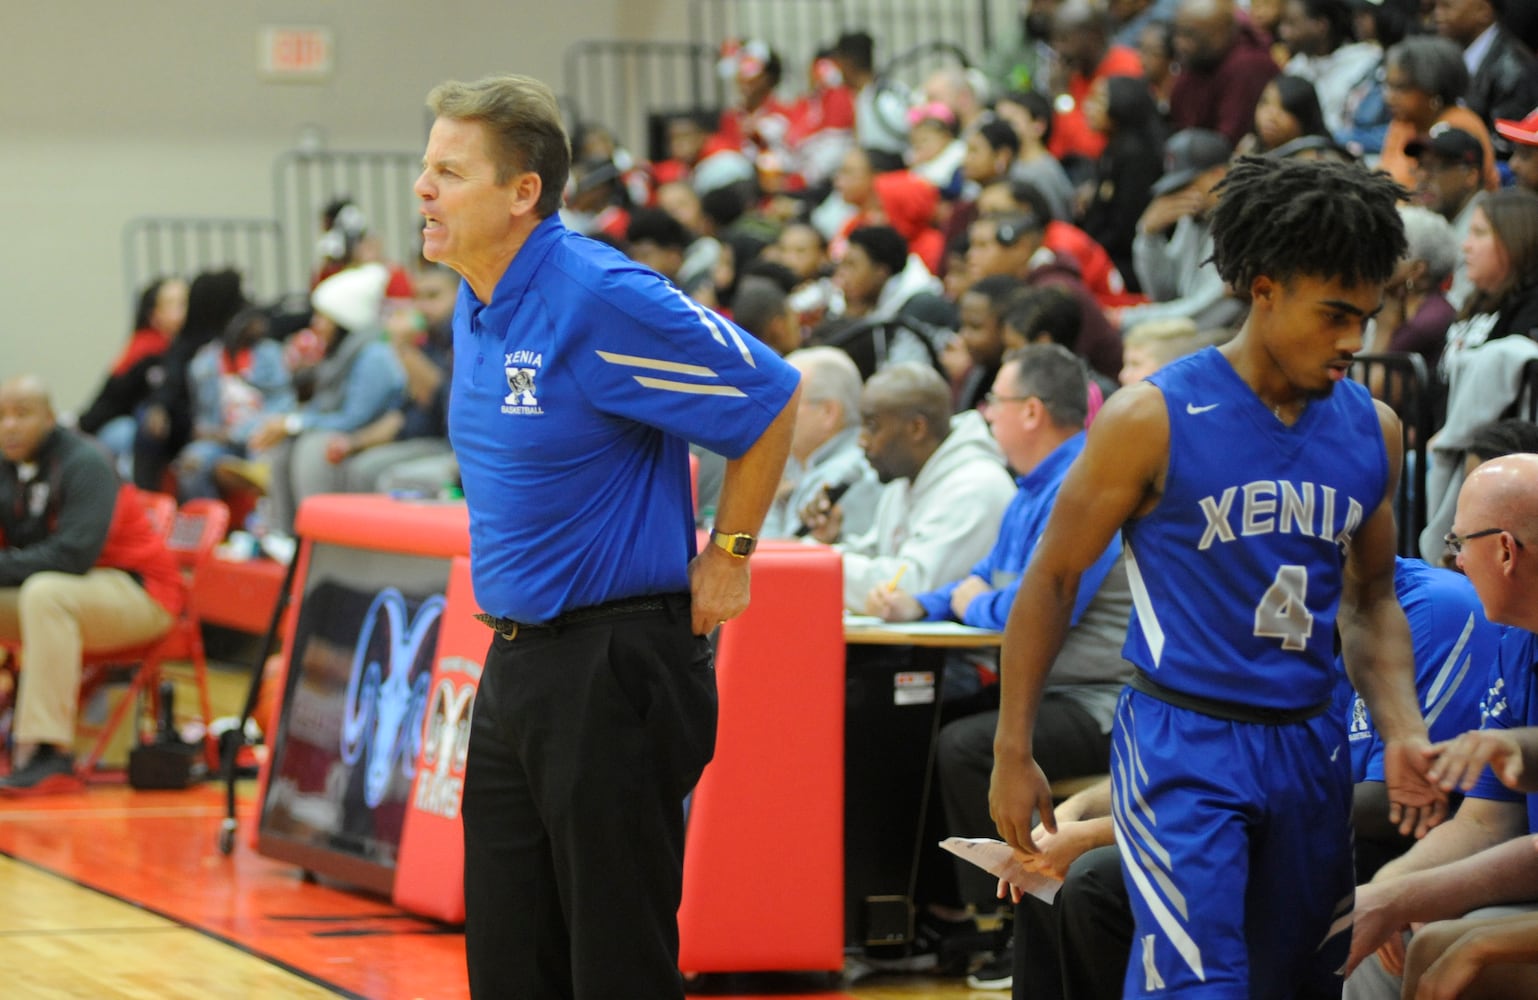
945	489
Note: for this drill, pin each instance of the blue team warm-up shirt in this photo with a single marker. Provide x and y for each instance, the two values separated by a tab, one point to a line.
1511	702
1236	574
574	394
1454	647
1022	527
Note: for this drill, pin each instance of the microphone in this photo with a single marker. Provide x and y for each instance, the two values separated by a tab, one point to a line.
833	492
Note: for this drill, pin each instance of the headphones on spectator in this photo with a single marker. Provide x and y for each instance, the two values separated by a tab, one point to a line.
1009	229
347	227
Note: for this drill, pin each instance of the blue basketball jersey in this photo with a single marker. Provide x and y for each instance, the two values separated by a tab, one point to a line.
1236	574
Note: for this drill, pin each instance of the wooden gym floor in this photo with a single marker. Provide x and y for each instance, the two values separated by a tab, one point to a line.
115	893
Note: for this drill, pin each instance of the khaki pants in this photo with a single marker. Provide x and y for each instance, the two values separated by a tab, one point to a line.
57	617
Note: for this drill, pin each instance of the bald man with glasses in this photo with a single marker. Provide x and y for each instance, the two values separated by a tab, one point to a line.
1474	879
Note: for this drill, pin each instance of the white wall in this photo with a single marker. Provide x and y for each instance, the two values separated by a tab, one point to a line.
112	109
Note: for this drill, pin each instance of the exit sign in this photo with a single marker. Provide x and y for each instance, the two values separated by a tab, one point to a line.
295	53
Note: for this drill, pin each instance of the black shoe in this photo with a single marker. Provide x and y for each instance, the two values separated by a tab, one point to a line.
49	772
940	947
998	973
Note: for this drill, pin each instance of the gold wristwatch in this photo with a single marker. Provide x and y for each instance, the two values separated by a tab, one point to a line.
738	543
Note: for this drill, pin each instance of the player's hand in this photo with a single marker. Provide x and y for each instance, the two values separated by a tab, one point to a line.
1415	802
1374	922
826	520
1017	791
719	586
893	605
1458	762
1056	851
1451	974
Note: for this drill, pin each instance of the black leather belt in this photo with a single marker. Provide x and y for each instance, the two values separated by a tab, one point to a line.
509	629
1229	710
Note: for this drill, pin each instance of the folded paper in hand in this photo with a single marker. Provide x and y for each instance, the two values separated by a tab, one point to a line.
998	858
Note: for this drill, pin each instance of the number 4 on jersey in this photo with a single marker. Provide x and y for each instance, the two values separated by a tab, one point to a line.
1282	613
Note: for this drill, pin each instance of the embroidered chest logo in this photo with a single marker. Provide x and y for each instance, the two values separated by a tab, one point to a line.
1358	728
522	369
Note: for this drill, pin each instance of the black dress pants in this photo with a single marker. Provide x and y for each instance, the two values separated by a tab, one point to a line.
1076	948
1094	923
584	744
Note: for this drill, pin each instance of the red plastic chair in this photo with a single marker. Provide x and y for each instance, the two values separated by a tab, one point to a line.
198	526
160	508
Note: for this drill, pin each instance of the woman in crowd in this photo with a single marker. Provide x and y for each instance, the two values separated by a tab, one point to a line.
1487	347
1288	109
1122	109
1156	47
166	425
1424	81
1501	258
235	382
1416	314
112	415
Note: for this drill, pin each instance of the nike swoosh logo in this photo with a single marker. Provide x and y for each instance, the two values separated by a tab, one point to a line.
1336	752
1193	409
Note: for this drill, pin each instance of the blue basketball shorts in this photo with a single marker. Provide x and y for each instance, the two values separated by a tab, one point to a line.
1236	847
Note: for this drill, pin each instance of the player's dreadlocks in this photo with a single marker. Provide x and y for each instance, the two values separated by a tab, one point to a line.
1285	218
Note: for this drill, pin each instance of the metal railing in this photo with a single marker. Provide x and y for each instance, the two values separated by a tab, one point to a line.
628	86
1401	381
156	246
797	29
379	182
624	85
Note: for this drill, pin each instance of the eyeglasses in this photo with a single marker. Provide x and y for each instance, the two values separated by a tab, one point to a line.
1455	542
994	399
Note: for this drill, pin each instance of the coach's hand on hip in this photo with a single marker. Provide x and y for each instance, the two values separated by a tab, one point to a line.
718	588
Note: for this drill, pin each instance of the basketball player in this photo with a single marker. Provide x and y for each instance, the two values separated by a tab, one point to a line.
1254	487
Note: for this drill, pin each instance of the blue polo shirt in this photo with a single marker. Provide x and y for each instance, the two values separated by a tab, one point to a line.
1024	521
575	394
1511	703
1454	646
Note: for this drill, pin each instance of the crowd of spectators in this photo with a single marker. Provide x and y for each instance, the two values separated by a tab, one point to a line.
962	272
